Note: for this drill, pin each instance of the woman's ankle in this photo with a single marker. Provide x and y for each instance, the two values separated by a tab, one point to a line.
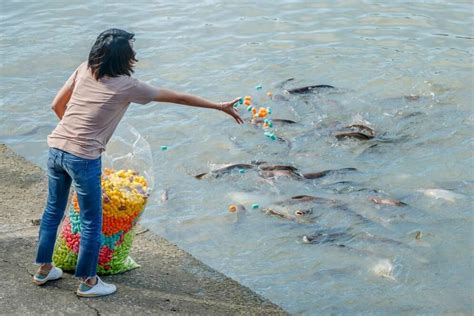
91	281
45	267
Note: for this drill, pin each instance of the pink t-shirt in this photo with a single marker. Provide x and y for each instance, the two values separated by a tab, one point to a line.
94	111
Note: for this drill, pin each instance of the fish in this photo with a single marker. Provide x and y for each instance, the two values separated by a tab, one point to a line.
225	169
346	187
271	174
308	89
296	91
362	127
355	135
285	141
338	204
386	201
356	131
270	211
320	174
274	171
301	213
274	121
341	237
446	195
314	208
268	171
266	167
323	237
305	198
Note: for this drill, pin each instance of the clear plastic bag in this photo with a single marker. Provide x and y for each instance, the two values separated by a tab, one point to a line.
127	180
129	150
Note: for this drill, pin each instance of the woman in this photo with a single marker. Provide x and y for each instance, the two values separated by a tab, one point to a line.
89	106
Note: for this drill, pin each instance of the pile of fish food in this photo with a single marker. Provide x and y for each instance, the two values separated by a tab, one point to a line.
124	196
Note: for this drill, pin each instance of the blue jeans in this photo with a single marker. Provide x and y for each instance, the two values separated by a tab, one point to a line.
64	169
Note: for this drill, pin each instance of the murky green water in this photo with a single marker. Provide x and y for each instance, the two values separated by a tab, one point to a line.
375	52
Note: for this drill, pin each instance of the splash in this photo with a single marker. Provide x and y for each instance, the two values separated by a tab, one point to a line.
384	269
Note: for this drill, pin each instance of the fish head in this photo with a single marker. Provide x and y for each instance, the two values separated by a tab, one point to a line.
303	212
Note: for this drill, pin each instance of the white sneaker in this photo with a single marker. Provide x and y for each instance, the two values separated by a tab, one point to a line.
100	289
54	274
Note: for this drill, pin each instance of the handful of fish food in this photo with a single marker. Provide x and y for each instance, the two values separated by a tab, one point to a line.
260	115
124	196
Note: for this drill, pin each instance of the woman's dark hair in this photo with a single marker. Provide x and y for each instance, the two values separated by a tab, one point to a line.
112	55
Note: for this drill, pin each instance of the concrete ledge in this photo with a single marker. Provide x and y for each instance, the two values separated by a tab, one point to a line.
170	281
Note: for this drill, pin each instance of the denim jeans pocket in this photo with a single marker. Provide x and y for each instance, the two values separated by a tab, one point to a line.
50	162
53	159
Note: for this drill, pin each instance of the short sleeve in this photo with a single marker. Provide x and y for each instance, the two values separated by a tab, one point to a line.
143	93
72	79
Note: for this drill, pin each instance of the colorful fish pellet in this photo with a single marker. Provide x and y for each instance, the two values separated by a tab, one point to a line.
124	196
270	135
262	112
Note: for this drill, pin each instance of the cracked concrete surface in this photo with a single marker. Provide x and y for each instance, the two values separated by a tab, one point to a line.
169	282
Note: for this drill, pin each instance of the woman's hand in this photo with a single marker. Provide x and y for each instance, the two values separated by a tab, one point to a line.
228	107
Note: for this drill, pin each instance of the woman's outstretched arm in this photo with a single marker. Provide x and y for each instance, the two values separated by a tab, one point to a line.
166	95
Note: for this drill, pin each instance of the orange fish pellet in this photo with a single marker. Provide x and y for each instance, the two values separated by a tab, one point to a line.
262	112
